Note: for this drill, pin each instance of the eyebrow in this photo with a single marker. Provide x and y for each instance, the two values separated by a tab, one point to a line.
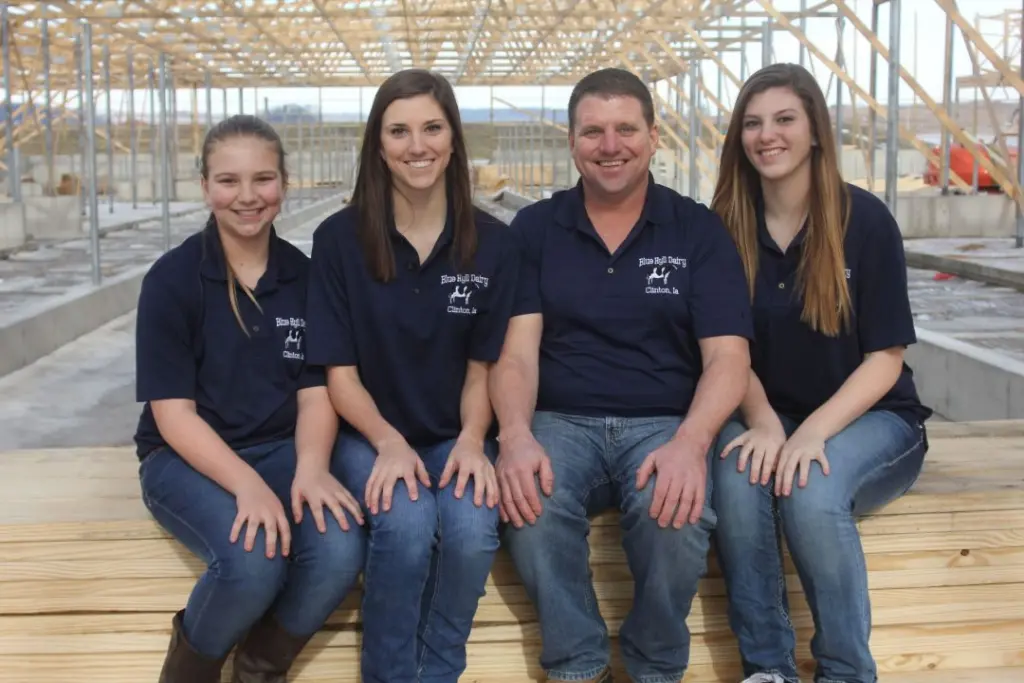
397	124
787	110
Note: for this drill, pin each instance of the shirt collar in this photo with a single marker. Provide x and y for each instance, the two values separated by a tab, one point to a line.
572	212
214	267
765	238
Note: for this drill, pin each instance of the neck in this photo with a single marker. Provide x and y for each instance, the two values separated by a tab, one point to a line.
246	254
420	210
788	199
631	201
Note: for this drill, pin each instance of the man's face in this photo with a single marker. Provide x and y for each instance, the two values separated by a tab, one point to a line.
612	144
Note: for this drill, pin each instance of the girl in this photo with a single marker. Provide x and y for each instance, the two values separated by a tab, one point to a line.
410	295
237	427
826	271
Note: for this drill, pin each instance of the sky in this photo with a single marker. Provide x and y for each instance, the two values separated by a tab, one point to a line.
921	55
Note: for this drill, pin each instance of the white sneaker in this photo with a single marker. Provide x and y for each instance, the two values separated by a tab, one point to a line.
765	678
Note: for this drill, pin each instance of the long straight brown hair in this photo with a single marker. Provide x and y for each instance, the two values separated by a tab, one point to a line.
821	274
372	193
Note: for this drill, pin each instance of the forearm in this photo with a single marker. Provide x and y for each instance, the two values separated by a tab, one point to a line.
862	389
513	393
755	406
353	402
192	438
475	404
722	386
316	428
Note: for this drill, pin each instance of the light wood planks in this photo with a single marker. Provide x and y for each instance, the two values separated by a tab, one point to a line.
88	581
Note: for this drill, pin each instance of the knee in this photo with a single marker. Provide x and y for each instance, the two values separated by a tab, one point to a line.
644	535
335	552
250	572
467	530
407	532
816	505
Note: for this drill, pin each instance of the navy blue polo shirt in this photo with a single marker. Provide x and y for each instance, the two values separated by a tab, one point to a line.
800	368
621	329
189	343
411	338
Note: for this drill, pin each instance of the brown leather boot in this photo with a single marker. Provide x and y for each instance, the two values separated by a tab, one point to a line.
183	664
267	653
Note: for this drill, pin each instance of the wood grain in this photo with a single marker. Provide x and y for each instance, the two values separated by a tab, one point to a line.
88	581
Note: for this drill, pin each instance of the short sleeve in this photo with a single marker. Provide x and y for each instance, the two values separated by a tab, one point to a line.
329	334
490	327
527	287
719	297
312	376
884	317
165	360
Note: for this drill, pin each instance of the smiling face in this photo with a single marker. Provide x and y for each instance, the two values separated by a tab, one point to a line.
243	186
777	136
416	142
612	144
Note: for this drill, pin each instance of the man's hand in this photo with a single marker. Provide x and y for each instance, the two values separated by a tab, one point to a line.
682	470
519	459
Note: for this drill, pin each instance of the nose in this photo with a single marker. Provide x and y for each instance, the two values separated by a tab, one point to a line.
610	143
416	145
246	192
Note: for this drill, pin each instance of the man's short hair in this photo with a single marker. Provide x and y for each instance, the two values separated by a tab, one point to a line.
612	82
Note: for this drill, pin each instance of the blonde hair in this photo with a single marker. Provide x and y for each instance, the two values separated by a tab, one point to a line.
821	274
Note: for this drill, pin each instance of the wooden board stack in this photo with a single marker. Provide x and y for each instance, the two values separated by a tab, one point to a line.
88	581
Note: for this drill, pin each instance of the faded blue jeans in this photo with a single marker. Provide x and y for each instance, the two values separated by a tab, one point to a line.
595	461
427	563
876	459
238	587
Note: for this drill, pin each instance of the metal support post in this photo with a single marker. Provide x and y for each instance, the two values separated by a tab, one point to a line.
947	98
110	126
694	123
133	142
90	152
892	140
165	162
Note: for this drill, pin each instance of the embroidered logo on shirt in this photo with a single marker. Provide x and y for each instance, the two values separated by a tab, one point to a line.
465	285
293	340
661	269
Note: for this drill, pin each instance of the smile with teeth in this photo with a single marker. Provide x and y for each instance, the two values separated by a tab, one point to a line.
773	152
614	163
248	213
421	163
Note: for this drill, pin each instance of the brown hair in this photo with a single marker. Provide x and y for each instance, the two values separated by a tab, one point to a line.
612	82
241	125
372	194
821	274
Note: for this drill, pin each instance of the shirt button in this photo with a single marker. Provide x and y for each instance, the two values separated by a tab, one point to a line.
416	290
611	270
782	285
255	328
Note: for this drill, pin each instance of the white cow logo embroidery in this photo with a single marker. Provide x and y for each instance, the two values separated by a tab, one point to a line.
460	292
659	273
294	337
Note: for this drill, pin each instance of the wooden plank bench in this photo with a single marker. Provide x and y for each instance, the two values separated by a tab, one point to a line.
88	581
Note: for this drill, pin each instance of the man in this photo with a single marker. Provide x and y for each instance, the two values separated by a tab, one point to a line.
627	352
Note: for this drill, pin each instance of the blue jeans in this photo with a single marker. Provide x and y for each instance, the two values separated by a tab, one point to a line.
873	461
595	461
238	587
427	563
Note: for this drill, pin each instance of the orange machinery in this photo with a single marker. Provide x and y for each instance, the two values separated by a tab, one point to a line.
962	163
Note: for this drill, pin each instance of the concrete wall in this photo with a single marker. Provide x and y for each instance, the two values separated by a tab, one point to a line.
53	217
982	215
965	382
45	327
12	225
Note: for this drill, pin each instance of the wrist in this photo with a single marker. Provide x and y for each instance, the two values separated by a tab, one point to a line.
470	437
515	432
699	436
